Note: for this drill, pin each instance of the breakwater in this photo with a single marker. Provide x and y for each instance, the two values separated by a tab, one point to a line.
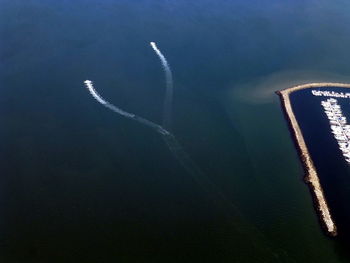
311	176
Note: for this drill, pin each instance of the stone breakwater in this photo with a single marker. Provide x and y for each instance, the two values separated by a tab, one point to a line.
311	176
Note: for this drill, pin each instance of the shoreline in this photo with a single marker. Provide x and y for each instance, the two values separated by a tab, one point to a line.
311	177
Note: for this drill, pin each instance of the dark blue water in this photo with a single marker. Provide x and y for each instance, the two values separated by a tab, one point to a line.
80	183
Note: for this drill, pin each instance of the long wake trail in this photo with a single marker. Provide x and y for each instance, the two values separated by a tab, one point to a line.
174	146
168	100
89	85
177	150
184	159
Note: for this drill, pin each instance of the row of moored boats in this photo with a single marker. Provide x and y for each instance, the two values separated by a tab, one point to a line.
339	126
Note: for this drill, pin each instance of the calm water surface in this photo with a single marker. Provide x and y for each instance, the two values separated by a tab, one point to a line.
80	183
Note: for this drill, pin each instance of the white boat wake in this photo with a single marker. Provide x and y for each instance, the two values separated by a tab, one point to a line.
175	147
170	140
89	85
168	100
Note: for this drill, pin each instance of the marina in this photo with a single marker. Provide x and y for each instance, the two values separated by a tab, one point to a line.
311	173
339	126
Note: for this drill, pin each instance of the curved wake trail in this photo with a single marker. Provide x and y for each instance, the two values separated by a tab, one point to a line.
89	85
174	146
168	101
190	166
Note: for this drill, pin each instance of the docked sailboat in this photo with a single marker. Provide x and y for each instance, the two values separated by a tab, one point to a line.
339	126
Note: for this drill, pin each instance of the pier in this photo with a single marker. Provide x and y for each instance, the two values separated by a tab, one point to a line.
311	176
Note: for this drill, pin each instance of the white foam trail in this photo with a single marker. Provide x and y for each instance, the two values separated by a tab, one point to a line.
170	140
93	92
105	103
169	86
180	154
132	116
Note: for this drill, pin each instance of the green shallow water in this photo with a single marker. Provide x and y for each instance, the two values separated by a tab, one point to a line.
80	183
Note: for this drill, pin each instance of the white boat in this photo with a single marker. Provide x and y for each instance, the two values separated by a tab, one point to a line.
346	154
